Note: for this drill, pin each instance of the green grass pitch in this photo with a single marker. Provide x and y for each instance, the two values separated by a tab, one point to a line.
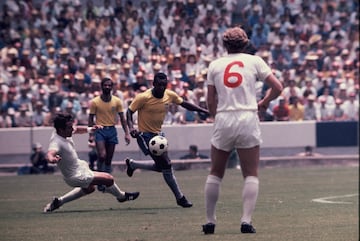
285	210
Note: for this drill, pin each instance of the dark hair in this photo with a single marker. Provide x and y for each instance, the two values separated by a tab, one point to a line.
160	77
104	80
308	148
194	148
61	119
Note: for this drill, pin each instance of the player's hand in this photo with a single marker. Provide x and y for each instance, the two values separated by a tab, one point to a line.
55	159
127	139
205	111
134	133
262	106
95	127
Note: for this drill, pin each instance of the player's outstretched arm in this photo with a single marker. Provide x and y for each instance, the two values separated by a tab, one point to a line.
193	107
86	129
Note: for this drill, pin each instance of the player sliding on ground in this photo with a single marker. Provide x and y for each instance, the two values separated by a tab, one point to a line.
151	108
76	172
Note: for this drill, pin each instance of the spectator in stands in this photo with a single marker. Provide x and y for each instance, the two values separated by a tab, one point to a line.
10	101
351	107
24	98
291	90
71	99
296	109
338	112
193	153
281	111
5	119
23	118
308	88
77	31
329	98
39	114
39	161
308	152
325	111
311	111
173	115
82	116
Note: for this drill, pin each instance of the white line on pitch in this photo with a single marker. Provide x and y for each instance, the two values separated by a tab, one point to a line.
326	199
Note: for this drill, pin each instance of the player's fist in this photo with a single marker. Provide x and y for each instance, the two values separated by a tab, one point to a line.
134	133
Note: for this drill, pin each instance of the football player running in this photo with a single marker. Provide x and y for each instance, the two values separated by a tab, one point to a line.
151	108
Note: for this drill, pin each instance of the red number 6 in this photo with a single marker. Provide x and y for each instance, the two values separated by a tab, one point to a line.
228	75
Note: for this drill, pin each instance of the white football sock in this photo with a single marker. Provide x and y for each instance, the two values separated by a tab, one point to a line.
212	191
249	196
76	193
115	190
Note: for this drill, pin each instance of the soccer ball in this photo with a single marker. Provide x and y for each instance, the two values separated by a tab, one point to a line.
158	145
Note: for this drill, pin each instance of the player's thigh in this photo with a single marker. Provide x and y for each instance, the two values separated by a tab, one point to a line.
218	161
101	148
102	178
249	160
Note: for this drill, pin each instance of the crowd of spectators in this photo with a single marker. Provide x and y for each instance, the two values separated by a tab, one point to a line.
53	54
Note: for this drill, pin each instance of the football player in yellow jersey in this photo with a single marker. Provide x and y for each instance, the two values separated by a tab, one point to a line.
106	108
151	108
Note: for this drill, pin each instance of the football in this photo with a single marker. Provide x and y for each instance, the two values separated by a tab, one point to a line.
158	145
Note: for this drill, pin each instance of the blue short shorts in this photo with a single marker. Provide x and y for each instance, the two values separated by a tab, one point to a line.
108	134
143	140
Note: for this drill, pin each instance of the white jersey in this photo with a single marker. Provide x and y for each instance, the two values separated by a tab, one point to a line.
234	77
70	165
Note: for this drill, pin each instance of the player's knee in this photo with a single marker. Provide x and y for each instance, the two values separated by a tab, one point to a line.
110	182
102	156
89	190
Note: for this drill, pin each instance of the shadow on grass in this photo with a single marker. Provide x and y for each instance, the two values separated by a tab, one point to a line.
146	210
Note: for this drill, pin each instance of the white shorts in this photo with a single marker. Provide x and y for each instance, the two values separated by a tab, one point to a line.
236	129
83	177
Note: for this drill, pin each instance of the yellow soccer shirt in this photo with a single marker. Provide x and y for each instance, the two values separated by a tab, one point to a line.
151	110
106	113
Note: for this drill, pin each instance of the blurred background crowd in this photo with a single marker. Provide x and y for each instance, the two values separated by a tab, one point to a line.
53	54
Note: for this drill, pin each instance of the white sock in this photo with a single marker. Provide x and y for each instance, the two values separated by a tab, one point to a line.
249	196
76	193
212	191
115	190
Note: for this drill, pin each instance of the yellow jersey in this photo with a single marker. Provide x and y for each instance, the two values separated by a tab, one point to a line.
151	110
106	113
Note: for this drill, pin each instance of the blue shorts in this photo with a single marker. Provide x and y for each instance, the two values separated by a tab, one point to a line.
108	134
161	162
143	140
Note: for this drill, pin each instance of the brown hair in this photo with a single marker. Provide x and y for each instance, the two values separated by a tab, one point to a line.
235	39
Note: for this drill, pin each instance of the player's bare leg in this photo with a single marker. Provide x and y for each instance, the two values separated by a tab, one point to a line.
100	178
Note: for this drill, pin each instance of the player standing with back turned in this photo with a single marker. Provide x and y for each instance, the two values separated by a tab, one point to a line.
232	101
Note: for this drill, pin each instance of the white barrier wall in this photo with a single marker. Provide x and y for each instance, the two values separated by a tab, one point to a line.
275	134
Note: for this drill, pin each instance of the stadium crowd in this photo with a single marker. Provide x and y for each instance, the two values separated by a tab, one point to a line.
53	54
